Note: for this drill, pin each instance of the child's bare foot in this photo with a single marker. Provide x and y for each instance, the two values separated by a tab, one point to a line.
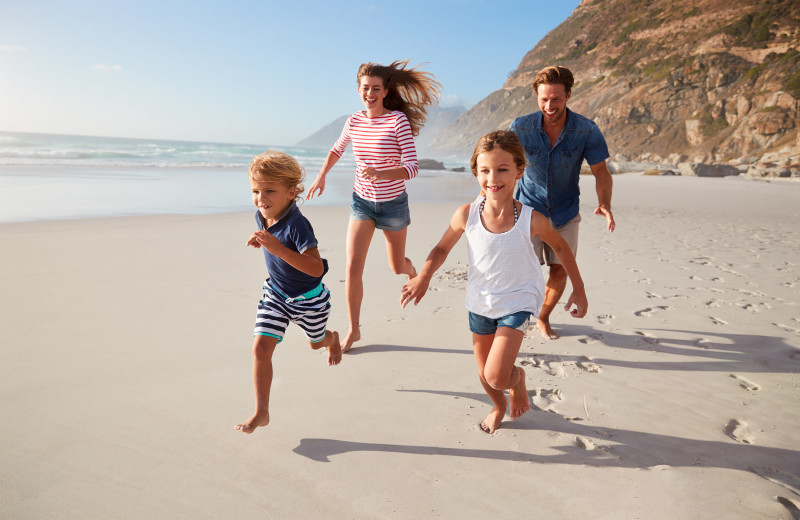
545	330
260	418
520	402
352	337
334	350
493	420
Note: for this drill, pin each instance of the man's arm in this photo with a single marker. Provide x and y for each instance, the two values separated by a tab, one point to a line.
603	185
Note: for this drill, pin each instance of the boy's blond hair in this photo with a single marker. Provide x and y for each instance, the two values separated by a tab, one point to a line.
275	166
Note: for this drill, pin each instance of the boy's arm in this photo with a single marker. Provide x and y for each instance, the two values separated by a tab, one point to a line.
308	262
541	227
416	288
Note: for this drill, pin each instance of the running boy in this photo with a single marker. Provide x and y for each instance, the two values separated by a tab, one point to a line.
294	290
505	285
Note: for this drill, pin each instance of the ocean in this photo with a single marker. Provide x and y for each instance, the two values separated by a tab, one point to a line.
48	177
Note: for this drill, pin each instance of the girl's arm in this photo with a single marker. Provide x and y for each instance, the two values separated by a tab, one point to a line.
308	262
541	227
416	288
319	182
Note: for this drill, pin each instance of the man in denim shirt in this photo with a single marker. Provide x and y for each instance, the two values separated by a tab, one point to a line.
556	142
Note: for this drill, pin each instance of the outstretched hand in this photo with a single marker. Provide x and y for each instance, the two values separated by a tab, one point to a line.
578	298
414	290
317	185
605	212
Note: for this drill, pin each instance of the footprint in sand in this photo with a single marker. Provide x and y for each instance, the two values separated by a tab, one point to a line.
545	400
440	309
648	312
717	321
585	443
592	338
647	338
701	342
645	281
787	328
739	431
550	364
605	319
586	364
747	385
757	307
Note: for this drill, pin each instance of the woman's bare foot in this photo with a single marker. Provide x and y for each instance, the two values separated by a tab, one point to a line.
260	418
520	403
334	350
493	420
545	329
352	337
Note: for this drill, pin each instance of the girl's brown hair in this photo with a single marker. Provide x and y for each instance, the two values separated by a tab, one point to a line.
505	140
410	91
275	166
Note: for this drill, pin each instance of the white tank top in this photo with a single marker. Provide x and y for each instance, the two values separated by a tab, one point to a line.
504	273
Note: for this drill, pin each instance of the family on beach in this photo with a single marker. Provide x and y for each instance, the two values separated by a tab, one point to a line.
525	216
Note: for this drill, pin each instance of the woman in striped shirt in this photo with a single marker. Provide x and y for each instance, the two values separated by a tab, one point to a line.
396	101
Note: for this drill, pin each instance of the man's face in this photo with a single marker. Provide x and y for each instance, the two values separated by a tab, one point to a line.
553	102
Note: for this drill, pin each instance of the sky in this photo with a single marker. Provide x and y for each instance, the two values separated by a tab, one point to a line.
254	72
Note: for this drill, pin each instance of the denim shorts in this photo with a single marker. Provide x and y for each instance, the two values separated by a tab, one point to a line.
484	326
392	215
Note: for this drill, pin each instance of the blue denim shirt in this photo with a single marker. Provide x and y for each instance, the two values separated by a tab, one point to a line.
550	183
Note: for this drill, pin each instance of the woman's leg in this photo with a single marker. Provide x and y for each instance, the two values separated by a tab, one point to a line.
263	348
396	250
359	235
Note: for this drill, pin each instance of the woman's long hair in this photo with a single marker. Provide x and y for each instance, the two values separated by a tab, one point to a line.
410	91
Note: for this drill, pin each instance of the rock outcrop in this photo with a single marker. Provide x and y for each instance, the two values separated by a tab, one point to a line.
668	82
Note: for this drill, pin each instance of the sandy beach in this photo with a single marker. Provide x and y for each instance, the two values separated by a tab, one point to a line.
126	363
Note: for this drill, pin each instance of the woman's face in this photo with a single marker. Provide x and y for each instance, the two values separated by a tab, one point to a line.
372	92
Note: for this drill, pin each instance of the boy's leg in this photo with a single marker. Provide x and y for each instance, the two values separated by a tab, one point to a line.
331	342
501	373
263	348
482	345
359	235
396	251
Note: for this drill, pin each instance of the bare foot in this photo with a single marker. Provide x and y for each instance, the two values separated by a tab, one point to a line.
260	418
545	330
493	420
334	350
520	403
352	337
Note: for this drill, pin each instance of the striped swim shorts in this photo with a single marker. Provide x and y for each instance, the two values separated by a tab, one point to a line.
309	311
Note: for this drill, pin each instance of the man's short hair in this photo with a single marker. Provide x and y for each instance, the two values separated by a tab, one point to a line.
555	75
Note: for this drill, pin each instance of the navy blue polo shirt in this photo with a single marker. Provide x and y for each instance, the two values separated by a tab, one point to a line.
550	183
295	232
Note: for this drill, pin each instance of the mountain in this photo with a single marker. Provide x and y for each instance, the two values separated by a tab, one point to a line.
439	119
668	82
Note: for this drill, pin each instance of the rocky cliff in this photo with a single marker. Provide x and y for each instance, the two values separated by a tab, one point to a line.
668	82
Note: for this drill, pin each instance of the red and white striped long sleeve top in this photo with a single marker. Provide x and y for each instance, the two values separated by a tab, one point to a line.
382	143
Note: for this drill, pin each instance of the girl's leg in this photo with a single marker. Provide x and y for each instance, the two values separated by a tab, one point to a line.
500	372
263	348
481	346
396	249
359	235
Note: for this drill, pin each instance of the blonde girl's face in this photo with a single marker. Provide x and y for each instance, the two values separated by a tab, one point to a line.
372	92
497	173
271	198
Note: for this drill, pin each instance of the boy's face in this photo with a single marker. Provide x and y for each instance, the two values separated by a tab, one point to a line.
497	173
271	198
